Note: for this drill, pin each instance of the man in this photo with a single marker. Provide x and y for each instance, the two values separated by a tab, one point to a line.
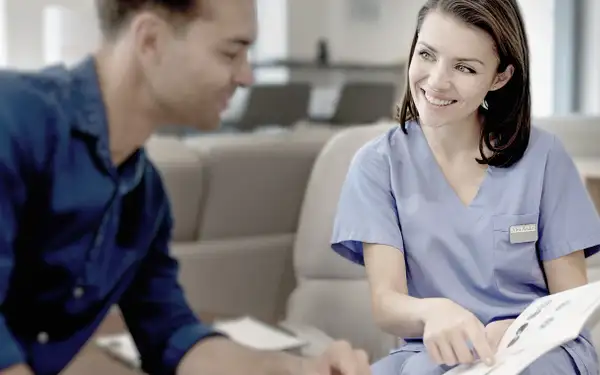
84	219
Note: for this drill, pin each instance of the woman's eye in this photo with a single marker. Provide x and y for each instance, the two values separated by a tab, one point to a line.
425	55
465	69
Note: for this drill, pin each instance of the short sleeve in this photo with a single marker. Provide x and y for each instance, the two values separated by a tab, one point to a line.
568	218
366	210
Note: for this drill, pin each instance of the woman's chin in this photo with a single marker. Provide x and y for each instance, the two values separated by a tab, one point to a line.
432	121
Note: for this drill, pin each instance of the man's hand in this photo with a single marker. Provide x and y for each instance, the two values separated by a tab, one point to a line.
495	330
339	359
220	356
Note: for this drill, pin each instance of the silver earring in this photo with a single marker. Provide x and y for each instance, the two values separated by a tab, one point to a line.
485	104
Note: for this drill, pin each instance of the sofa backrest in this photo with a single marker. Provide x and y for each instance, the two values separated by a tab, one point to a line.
182	174
254	184
579	133
332	293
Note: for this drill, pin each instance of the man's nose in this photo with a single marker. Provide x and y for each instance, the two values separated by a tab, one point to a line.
244	76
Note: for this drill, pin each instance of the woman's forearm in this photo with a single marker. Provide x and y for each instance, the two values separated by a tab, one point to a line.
402	315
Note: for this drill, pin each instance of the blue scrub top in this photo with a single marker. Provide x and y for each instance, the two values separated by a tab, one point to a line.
396	194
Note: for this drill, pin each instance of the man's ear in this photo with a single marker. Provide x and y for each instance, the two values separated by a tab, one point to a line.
502	78
150	33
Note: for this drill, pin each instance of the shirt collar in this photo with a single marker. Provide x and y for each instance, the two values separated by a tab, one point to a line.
92	121
88	100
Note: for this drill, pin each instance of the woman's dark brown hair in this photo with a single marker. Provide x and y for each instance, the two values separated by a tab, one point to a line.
507	121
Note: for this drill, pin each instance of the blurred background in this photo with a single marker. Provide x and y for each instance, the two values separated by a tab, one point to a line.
329	43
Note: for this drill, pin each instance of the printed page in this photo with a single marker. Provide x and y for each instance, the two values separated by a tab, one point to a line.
547	323
509	363
558	317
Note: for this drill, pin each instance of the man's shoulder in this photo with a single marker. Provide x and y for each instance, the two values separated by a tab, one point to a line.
31	101
33	110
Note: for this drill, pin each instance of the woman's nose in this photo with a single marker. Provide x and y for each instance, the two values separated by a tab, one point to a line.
439	79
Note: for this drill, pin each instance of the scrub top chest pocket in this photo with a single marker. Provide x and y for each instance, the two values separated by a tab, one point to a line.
516	261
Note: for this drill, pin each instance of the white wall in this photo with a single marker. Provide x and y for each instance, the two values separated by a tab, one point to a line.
69	34
26	34
294	32
539	22
590	58
387	39
2	33
272	41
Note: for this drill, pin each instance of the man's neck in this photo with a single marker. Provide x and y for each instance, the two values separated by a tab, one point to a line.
128	114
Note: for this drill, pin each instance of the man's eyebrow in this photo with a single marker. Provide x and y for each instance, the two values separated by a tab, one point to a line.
460	59
244	42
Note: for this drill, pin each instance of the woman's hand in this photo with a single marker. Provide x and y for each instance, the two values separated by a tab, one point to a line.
454	335
495	330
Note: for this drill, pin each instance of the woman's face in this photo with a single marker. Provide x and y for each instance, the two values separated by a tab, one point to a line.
453	68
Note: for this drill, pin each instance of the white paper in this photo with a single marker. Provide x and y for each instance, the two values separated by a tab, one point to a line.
255	334
245	331
544	325
122	347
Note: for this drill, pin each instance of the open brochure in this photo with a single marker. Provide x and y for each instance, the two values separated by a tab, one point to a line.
547	323
245	331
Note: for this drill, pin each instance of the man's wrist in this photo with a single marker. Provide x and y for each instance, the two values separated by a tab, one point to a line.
219	355
281	363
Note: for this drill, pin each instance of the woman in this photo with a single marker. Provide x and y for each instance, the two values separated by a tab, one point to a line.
465	214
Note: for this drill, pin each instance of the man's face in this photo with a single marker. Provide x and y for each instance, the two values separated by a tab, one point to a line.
192	73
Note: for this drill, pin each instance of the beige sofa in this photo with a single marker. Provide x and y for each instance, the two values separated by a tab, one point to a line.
236	202
332	293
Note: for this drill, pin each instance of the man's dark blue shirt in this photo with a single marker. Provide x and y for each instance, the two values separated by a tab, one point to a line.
77	234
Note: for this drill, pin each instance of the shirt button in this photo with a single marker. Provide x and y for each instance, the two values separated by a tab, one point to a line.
42	337
78	292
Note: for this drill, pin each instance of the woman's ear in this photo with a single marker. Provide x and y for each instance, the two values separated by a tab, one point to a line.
502	78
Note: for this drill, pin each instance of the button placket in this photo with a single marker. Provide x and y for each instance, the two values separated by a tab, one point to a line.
78	292
43	338
97	244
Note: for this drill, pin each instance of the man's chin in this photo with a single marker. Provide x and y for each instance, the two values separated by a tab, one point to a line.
204	123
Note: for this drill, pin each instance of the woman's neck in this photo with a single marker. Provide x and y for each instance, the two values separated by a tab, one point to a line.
455	140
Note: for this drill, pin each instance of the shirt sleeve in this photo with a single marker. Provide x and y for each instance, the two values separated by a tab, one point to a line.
156	312
366	211
17	111
568	218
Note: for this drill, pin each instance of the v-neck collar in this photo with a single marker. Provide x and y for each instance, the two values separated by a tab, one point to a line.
435	172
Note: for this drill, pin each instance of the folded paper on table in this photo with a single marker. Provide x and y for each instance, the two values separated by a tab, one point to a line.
245	331
255	334
121	347
545	324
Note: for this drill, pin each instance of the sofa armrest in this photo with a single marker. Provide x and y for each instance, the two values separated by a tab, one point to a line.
239	276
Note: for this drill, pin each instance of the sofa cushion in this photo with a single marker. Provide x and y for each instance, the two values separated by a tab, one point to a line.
312	256
254	183
182	175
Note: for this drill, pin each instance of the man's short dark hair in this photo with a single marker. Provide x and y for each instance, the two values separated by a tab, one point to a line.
115	14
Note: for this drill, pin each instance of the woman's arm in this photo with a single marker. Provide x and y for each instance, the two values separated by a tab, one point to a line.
394	310
566	272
